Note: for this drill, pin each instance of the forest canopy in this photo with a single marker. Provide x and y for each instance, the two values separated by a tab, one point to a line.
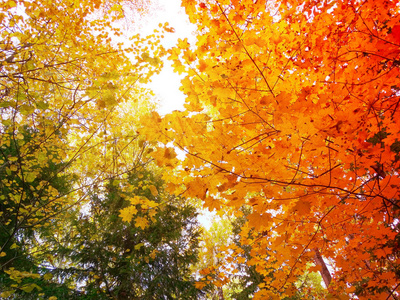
290	134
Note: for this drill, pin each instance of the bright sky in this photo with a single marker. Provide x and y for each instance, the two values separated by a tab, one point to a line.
166	84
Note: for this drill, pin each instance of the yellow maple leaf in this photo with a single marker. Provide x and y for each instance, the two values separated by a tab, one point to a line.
152	213
149	203
153	190
135	200
153	254
127	213
141	222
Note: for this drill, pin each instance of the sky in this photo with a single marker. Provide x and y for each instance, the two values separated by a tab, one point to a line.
166	84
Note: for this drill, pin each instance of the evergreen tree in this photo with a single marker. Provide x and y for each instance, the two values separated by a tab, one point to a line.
33	198
149	257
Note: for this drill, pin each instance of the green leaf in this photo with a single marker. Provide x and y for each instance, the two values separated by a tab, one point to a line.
26	109
6	122
28	288
5	104
30	177
138	246
42	105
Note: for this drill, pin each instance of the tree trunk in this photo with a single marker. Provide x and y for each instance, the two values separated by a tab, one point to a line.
319	261
220	293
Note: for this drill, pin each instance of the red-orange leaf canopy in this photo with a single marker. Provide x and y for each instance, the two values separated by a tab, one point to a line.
293	108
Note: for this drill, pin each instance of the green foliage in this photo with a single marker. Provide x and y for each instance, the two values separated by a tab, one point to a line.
33	196
112	258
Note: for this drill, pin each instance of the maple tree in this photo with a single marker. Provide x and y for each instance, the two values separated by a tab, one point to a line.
293	108
227	276
245	281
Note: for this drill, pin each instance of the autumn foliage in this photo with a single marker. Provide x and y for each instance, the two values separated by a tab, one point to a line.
293	109
291	128
70	98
